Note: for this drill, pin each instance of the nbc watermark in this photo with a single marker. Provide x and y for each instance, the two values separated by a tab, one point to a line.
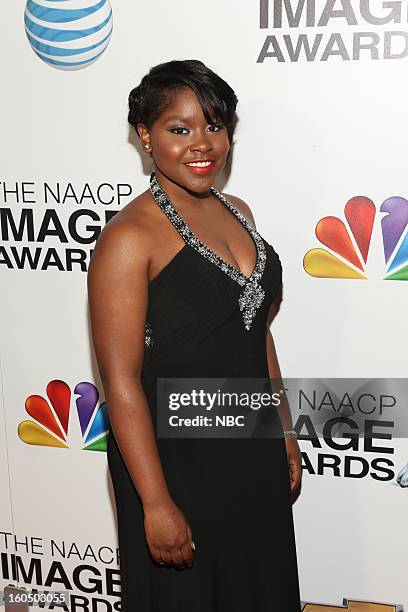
262	407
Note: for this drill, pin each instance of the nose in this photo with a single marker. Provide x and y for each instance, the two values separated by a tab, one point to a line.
201	142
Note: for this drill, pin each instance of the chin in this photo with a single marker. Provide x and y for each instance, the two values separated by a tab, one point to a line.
201	183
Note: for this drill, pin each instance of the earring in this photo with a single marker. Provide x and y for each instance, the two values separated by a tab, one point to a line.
147	146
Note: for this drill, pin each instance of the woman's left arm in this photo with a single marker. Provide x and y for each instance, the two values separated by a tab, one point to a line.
292	446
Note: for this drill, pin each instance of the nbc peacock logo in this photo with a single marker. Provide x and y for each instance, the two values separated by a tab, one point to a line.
68	34
50	427
349	241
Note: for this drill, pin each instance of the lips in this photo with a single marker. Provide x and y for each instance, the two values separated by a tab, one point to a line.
200	166
200	162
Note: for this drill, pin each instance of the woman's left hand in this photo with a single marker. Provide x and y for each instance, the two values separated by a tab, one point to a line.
294	462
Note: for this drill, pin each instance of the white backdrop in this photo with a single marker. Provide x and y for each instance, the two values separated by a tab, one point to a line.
311	135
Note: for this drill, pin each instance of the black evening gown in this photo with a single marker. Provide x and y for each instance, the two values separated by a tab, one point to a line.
205	319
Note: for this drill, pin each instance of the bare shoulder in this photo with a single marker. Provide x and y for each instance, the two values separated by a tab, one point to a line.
243	207
125	240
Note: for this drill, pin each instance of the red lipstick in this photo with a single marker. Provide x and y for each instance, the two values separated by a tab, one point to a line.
201	169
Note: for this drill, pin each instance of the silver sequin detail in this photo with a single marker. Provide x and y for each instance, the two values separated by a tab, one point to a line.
148	336
252	295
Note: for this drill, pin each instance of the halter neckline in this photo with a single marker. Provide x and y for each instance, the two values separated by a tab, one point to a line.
252	295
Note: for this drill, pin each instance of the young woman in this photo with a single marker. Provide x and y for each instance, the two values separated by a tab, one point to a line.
181	285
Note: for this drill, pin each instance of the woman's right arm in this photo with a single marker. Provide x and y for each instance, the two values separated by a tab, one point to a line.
117	293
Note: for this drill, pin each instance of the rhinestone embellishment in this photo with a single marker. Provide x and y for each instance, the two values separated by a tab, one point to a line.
148	341
249	301
252	295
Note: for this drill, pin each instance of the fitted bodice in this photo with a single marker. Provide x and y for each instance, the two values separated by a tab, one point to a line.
199	304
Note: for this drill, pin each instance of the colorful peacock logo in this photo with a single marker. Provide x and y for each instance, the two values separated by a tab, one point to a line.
349	244
50	427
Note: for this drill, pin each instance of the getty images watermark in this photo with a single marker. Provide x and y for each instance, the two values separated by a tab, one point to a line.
264	407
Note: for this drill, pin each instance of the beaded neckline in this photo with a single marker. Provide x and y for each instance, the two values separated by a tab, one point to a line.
252	295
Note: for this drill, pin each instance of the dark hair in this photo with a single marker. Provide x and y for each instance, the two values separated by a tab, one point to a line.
150	98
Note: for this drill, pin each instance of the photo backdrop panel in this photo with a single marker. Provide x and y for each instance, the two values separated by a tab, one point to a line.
6	519
347	525
321	120
56	432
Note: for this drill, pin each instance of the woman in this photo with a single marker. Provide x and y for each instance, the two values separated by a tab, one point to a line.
181	285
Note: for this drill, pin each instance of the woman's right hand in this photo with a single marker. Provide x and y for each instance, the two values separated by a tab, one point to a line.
168	534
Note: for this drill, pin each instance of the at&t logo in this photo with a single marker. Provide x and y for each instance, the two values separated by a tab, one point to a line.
68	34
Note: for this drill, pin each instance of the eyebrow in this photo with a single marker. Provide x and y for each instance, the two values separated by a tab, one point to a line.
179	117
171	117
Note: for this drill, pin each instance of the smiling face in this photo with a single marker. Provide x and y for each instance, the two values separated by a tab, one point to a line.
188	152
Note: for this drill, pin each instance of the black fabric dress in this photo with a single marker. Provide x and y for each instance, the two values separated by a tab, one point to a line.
205	319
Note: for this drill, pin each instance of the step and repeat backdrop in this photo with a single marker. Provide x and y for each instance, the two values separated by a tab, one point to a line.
319	155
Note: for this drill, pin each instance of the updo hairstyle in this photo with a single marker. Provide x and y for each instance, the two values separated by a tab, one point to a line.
154	93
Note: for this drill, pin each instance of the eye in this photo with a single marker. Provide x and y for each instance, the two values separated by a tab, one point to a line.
178	129
216	127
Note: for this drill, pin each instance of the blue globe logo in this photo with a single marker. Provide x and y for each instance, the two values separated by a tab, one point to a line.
68	34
